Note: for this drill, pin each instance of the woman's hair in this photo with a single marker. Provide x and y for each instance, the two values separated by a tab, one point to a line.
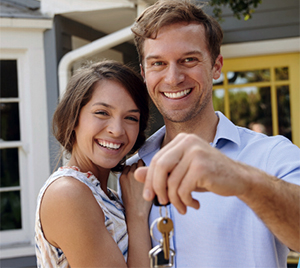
167	12
80	90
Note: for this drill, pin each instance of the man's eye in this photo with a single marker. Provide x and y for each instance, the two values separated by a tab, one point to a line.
157	63
189	59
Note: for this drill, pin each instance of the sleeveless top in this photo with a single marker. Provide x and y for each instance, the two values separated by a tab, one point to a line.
50	256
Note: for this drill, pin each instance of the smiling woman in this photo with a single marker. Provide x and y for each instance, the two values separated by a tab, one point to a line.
80	222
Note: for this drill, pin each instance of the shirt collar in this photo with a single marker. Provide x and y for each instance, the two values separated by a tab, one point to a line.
153	142
225	130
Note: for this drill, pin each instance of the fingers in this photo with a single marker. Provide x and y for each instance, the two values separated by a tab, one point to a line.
140	163
140	174
174	182
162	165
170	176
185	190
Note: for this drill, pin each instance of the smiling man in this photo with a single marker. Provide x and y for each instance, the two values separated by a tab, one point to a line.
247	183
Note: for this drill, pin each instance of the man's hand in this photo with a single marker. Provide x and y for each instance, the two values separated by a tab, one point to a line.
188	164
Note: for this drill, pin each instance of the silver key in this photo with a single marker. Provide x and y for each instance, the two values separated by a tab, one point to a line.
157	258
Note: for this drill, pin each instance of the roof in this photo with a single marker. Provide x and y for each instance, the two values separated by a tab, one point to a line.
20	9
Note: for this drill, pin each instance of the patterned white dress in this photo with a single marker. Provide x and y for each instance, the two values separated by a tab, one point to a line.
50	256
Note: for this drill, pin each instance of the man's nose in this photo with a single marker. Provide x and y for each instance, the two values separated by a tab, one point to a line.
174	75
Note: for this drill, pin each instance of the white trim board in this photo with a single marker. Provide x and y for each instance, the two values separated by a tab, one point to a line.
278	46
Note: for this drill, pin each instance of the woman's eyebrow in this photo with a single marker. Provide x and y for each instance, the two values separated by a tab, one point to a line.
111	107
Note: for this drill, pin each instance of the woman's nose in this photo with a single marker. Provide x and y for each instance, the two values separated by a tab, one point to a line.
115	127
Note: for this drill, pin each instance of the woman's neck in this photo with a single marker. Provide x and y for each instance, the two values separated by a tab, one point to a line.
100	173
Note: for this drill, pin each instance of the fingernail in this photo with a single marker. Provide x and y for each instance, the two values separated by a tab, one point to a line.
162	200
147	194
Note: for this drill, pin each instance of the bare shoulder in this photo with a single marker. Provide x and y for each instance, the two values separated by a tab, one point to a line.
73	221
66	188
67	202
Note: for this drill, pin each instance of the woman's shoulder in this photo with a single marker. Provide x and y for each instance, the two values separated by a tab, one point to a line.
67	202
67	189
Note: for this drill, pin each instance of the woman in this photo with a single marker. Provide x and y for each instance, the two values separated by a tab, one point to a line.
79	221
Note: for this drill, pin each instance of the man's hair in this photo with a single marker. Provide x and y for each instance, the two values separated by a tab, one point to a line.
167	12
80	90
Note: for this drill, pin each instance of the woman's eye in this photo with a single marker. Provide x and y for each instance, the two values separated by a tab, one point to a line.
101	113
132	118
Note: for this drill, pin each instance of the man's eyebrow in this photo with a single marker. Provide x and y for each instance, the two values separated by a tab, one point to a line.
194	52
197	52
151	57
111	107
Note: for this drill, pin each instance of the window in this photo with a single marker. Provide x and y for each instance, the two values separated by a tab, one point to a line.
24	139
14	224
258	90
9	162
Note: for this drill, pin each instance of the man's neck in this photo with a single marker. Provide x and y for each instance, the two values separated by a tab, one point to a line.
205	127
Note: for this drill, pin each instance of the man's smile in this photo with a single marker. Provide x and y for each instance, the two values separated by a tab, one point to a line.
177	95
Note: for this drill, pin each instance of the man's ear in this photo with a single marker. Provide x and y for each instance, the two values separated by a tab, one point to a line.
217	69
142	72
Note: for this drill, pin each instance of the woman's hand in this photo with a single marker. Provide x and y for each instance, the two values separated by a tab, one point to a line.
132	191
137	211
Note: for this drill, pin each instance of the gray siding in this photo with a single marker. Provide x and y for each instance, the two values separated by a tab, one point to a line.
273	19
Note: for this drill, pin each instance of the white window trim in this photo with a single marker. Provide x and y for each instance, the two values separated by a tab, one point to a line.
276	46
34	166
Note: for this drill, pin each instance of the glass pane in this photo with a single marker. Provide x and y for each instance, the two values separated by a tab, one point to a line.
218	100
245	77
9	164
10	211
251	105
281	73
284	113
9	79
10	124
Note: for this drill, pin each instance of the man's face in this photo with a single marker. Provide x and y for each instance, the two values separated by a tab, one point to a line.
178	71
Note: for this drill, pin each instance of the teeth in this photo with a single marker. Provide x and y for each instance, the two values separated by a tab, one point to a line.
177	95
110	145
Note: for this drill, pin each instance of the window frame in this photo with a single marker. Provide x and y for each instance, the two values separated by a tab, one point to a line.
290	60
19	235
23	40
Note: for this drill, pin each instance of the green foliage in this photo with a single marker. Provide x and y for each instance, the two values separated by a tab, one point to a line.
240	8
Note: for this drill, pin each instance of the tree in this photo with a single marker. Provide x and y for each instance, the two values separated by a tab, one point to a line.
240	8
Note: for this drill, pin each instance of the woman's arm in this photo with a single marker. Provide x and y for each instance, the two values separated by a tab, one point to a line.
137	212
73	221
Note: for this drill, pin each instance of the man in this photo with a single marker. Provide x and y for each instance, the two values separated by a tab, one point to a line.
247	183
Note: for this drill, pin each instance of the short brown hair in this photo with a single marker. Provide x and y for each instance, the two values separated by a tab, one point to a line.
167	12
80	90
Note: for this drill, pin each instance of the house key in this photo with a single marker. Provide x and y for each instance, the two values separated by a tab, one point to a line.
162	255
165	226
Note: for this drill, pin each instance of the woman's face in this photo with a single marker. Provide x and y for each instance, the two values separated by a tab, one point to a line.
108	126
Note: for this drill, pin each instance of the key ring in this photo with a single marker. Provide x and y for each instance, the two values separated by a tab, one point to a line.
166	216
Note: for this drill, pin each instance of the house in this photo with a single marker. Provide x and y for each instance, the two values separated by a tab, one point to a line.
41	42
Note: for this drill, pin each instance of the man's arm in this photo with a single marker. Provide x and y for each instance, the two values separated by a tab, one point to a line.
188	164
277	203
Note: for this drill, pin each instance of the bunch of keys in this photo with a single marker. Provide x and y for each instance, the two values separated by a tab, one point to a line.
162	255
